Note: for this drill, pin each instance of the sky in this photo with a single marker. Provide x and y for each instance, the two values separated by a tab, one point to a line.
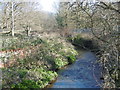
48	5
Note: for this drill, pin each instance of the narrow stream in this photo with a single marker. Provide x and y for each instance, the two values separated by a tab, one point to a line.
84	73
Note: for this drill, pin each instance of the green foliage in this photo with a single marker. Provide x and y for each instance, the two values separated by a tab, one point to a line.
83	43
60	21
75	38
78	40
26	84
60	63
71	58
34	78
37	69
37	41
20	42
45	77
22	73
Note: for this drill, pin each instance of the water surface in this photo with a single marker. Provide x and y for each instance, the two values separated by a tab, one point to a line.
84	73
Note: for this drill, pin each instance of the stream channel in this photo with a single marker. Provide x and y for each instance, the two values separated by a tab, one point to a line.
85	72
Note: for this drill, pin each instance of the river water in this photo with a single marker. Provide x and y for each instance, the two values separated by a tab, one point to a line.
84	73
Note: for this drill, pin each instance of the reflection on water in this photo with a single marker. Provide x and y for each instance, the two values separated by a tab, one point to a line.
84	73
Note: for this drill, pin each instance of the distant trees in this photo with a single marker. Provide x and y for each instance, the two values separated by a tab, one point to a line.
10	12
48	21
12	18
0	19
29	18
62	15
25	16
72	15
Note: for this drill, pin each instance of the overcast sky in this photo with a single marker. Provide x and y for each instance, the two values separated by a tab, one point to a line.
48	5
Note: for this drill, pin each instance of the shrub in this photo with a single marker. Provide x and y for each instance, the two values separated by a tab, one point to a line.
26	84
71	58
36	69
60	63
34	78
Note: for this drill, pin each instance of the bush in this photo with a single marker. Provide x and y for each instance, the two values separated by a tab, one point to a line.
20	43
26	84
37	68
71	58
34	78
60	63
83	43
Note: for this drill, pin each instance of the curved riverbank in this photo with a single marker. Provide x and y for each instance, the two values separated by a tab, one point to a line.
84	73
37	66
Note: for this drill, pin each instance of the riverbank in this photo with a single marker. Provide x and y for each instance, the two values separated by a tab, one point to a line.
38	64
84	73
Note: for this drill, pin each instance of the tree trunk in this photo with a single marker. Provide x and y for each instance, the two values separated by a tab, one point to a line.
118	15
28	31
12	18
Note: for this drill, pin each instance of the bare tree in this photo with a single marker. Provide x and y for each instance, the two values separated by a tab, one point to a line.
102	18
12	18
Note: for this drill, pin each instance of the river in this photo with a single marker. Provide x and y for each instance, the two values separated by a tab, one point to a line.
84	73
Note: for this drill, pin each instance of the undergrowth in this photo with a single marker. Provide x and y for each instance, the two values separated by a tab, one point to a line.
38	68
